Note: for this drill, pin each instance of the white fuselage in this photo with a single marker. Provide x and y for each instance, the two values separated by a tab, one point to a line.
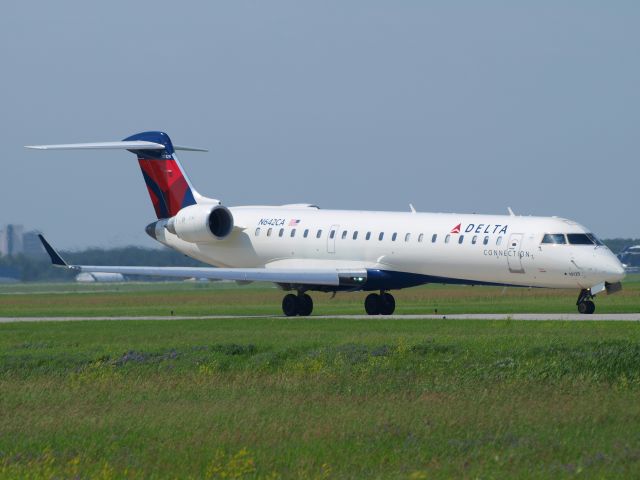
493	249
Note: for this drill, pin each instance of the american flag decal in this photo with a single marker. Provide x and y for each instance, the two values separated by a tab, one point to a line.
294	222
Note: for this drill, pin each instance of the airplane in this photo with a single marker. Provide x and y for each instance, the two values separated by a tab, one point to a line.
303	248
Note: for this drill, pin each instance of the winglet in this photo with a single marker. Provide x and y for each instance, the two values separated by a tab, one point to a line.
56	259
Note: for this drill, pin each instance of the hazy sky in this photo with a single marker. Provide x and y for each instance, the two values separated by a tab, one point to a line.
452	106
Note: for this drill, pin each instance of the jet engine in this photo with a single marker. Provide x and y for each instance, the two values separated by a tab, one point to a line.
201	223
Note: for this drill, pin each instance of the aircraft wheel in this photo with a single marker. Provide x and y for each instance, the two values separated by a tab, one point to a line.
305	305
290	305
372	304
587	307
387	304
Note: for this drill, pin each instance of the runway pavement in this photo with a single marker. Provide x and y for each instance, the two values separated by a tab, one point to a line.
625	317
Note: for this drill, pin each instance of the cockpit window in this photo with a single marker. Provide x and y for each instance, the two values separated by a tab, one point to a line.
554	238
595	239
580	239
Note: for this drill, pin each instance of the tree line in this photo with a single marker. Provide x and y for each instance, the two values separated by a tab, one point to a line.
30	269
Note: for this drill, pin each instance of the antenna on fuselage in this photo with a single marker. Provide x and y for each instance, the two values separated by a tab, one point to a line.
413	210
511	212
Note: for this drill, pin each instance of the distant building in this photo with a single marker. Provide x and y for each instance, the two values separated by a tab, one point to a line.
32	246
11	240
14	241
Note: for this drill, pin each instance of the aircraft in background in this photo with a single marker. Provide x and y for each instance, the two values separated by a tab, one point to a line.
304	248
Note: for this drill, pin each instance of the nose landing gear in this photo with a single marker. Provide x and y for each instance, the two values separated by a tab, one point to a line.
382	304
585	303
300	304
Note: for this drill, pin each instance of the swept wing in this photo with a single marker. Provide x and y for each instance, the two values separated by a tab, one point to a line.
316	276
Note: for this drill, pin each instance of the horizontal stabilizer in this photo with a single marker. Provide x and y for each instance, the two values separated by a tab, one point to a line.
134	145
189	149
124	145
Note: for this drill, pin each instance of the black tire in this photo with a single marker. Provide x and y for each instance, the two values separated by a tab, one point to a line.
305	305
387	304
587	307
290	305
591	307
372	304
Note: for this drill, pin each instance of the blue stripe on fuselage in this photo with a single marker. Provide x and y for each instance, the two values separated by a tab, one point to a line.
391	280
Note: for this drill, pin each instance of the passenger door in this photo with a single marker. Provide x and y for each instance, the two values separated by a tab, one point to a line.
514	259
331	238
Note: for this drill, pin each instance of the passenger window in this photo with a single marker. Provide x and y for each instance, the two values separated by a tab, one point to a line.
499	241
474	239
293	233
281	232
269	232
486	240
407	237
381	236
447	238
344	234
394	236
355	235
434	237
554	238
306	233
420	237
257	231
368	236
461	239
319	234
332	234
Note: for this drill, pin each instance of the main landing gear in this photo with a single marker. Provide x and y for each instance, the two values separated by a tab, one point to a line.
585	303
300	304
382	304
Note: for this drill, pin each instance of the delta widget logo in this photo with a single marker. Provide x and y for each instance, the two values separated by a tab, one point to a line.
486	228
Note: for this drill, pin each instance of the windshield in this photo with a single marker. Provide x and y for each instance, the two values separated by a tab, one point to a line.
580	239
595	239
571	238
554	238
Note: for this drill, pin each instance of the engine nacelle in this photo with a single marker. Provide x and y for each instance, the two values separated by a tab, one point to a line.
201	223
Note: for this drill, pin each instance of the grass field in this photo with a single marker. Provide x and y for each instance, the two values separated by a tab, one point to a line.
315	398
261	299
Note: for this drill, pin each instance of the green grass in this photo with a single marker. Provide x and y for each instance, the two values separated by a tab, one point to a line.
260	299
319	398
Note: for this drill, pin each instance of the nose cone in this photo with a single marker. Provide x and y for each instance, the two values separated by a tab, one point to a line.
612	268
